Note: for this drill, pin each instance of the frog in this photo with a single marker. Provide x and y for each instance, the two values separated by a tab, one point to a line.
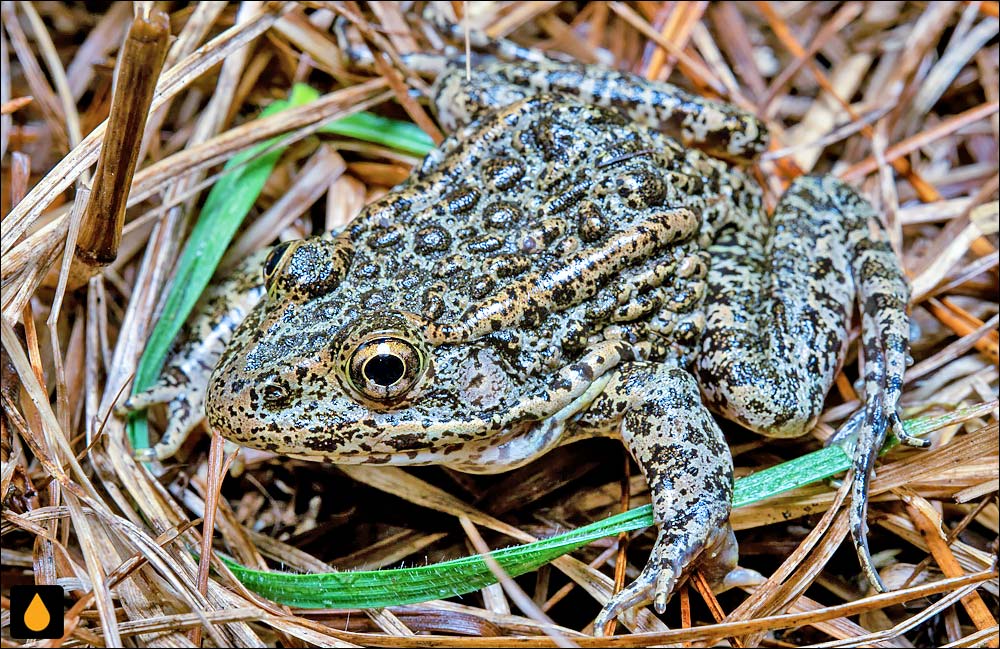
585	255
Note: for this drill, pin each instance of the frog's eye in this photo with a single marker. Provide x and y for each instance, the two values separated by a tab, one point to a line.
385	369
273	262
306	268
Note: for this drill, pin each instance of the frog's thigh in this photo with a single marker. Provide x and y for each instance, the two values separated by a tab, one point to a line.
776	310
778	304
684	458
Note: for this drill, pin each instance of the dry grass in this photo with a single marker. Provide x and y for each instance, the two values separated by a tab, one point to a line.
900	98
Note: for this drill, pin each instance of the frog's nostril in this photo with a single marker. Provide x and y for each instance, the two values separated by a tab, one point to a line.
274	394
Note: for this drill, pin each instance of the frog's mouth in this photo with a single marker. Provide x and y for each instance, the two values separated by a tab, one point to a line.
414	458
358	447
492	453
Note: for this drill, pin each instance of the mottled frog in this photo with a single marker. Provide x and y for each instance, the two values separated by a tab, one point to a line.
582	257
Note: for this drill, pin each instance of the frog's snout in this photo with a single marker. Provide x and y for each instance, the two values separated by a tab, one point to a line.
224	407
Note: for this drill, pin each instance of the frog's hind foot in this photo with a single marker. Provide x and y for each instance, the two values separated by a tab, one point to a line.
776	323
862	436
882	296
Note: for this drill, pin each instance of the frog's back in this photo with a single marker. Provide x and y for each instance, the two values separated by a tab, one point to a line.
521	196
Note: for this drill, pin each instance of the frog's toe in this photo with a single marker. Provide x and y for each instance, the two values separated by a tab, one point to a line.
739	578
673	553
903	436
846	436
851	431
871	433
859	527
862	436
159	393
665	582
652	579
178	430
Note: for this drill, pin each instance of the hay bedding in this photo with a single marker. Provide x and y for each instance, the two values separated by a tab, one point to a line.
898	98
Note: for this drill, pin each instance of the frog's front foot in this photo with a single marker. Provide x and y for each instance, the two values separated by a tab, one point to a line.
184	409
655	583
675	551
685	460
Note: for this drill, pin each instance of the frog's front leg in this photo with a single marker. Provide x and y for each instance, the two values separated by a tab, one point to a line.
192	358
658	412
777	309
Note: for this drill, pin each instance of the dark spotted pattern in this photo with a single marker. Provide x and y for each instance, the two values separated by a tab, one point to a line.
657	410
555	270
719	129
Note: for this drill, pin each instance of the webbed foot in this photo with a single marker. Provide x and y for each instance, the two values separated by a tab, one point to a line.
863	436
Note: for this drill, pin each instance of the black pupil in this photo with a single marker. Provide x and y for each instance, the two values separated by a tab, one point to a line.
384	369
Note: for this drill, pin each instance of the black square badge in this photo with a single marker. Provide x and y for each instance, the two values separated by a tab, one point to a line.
36	612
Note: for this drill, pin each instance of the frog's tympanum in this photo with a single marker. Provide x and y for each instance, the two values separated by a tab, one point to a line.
581	257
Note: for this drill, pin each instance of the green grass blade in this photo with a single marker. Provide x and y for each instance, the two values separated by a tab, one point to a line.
378	588
398	586
404	136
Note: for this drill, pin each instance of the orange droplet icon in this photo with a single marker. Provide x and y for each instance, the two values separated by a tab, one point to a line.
37	617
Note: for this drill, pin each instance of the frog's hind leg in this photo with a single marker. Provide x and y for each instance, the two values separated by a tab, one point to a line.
719	129
777	311
658	412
